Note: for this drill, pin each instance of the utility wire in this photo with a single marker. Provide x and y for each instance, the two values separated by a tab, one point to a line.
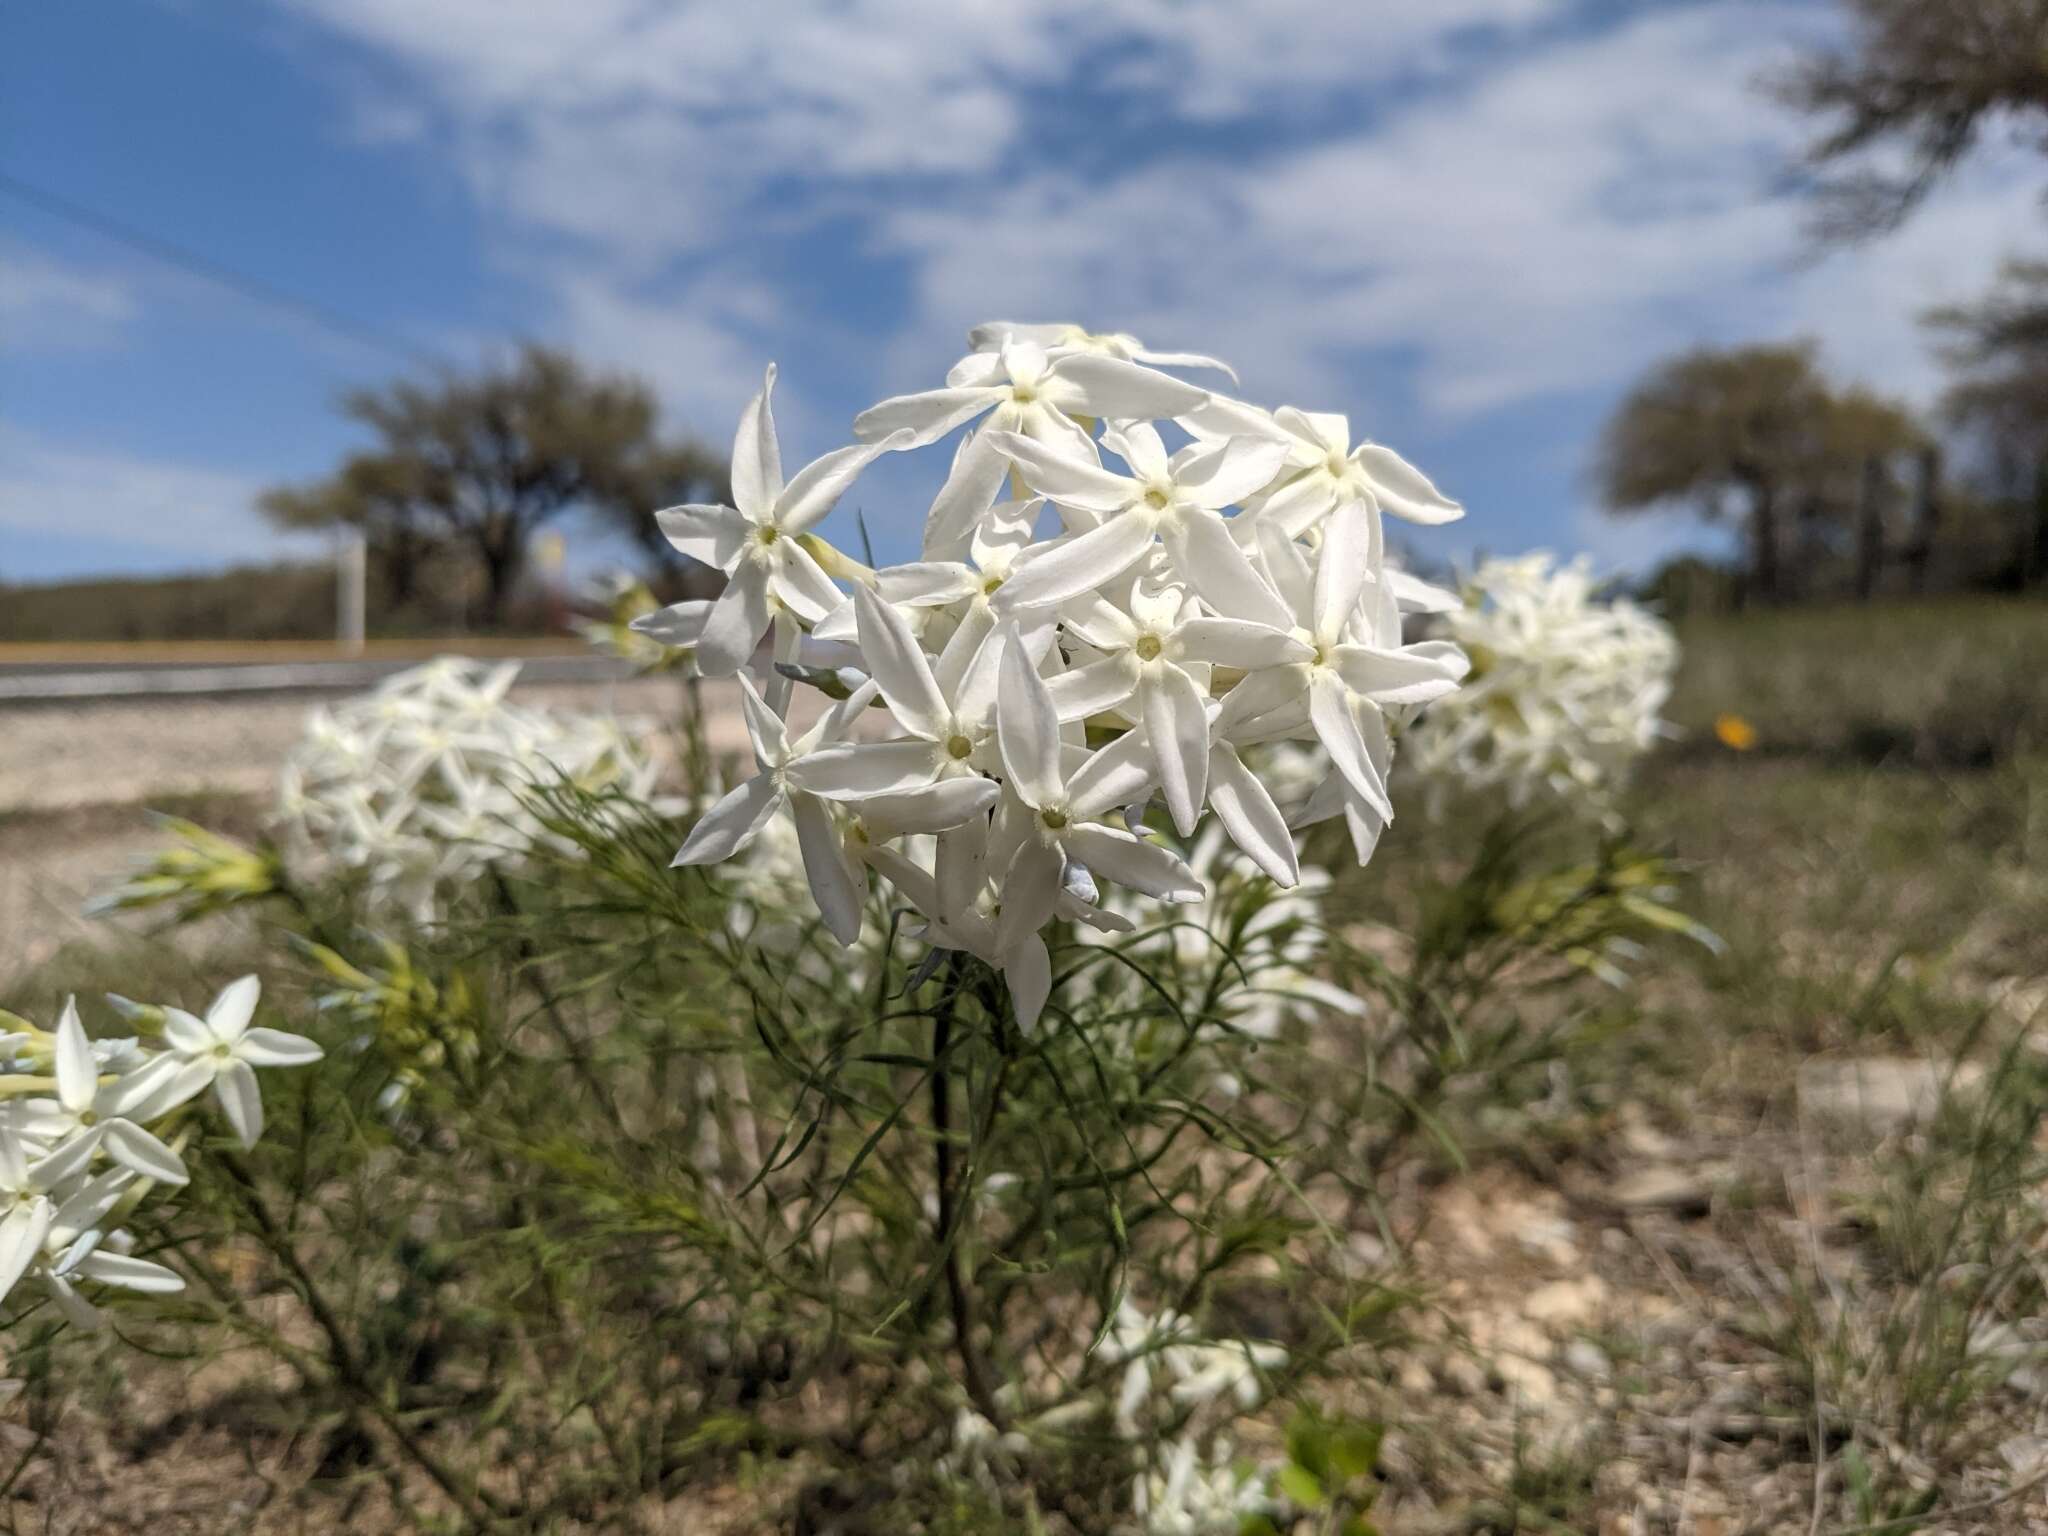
254	289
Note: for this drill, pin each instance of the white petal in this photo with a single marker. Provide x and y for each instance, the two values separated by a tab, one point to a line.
756	456
738	619
1066	477
1131	861
898	664
229	1013
928	416
1100	385
157	1087
1031	888
839	889
186	1032
1221	417
132	1147
78	1075
926	583
1335	714
274	1048
1028	729
22	1234
1404	490
966	497
1343	564
1287	565
66	1159
1225	474
1053	573
1177	727
1249	815
1239	643
800	584
131	1274
765	730
929	808
241	1101
731	824
1117	775
1028	971
1299	505
1396	677
820	483
1210	561
1184	360
864	768
1090	689
714	535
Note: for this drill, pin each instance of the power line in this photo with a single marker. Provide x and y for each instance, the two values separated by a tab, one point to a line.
255	289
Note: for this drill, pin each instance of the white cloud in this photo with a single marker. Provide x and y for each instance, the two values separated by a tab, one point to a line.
47	305
193	514
1463	204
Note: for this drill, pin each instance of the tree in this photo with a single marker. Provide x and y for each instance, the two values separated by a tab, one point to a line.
376	496
1923	76
1710	427
481	462
1759	429
1997	350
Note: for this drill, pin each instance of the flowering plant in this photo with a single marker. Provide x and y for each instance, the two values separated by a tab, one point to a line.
1564	692
84	1126
1122	629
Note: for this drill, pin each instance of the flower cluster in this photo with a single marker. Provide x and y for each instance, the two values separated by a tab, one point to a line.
1564	691
1126	625
1191	1484
89	1128
423	783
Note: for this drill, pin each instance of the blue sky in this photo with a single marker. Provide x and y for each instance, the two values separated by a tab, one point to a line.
1467	223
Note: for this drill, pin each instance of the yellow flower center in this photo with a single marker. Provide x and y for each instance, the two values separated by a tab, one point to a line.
959	748
1054	818
1148	647
1157	499
767	535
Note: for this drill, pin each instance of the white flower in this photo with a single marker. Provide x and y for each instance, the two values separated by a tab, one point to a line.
1324	472
1177	499
105	1108
1189	1494
755	542
421	784
836	878
222	1050
1059	339
1565	691
115	1099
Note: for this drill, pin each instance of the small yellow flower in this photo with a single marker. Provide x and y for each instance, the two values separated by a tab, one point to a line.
1734	732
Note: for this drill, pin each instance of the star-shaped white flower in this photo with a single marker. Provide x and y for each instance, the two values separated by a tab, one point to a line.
755	542
222	1051
1178	499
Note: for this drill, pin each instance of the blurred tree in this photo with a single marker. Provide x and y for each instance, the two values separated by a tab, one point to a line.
1997	351
480	462
1855	479
379	497
1759	429
1922	76
1709	427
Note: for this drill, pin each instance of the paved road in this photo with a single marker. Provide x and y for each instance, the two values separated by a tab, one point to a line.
59	682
